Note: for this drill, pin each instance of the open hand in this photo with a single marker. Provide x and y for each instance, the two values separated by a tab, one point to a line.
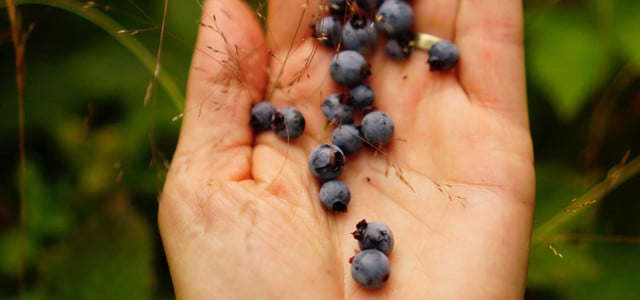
240	216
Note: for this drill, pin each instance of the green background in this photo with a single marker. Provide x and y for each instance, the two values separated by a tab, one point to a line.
97	151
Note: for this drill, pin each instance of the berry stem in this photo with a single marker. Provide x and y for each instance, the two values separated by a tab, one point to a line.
424	41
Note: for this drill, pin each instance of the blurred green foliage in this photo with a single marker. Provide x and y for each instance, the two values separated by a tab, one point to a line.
97	151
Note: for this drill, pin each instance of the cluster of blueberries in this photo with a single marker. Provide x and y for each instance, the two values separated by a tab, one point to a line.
355	38
287	122
370	267
351	28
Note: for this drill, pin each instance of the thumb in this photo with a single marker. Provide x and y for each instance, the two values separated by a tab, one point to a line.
228	73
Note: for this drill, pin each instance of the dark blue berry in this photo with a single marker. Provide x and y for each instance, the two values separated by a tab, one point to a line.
327	31
288	123
326	162
374	235
261	114
368	4
443	55
335	195
398	49
349	68
339	7
377	128
362	97
359	34
336	111
347	138
370	269
394	17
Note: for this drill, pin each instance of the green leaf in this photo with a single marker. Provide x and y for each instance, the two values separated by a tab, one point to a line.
47	215
617	277
11	242
564	55
627	29
552	266
588	269
110	257
569	258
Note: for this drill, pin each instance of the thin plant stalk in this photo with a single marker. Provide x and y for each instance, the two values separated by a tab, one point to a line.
546	232
118	32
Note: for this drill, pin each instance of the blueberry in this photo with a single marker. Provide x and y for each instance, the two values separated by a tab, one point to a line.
398	48
349	68
326	162
394	17
339	7
335	195
377	128
347	138
336	111
261	114
443	55
370	269
362	97
288	123
327	31
368	4
374	235
359	34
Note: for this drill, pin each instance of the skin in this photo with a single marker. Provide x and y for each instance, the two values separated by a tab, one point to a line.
240	216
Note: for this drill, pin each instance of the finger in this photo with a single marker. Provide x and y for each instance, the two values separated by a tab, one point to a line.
489	35
304	86
435	17
406	82
289	21
228	72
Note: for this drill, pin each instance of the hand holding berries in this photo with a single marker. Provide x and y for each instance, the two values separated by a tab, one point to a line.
240	214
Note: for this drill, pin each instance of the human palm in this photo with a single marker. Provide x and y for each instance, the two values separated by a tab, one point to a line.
240	216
